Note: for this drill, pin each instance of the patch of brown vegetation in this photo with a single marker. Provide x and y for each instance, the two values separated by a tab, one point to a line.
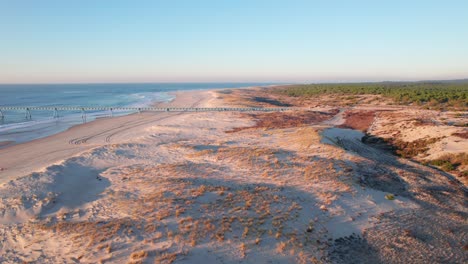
414	148
270	101
280	120
423	122
454	163
463	135
359	120
405	149
255	97
460	158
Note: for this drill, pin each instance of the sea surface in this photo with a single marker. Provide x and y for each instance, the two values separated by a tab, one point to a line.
16	128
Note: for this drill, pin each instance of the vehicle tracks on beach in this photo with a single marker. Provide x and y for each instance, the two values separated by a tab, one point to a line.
84	139
108	137
123	127
115	130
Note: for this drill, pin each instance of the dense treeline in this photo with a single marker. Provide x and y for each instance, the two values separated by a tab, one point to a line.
431	93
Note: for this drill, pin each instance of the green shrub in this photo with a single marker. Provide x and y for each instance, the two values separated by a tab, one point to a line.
448	167
450	162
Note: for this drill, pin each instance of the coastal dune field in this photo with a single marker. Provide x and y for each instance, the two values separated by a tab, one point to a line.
224	187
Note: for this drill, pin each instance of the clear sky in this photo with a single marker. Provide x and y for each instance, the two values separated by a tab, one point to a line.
232	40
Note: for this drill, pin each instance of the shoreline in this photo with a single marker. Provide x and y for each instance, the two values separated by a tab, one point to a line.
38	154
5	143
166	103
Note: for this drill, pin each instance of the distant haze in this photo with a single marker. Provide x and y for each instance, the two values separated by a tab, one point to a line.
92	41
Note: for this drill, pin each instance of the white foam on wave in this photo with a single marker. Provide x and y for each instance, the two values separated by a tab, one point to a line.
147	99
42	126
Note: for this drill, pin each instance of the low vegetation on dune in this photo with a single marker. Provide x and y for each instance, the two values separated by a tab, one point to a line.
412	133
431	94
414	148
400	147
359	120
280	120
463	135
450	162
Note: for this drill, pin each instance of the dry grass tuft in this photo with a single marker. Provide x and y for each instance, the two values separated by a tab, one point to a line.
140	255
166	258
243	250
280	247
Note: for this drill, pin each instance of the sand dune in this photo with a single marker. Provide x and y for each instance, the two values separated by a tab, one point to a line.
168	187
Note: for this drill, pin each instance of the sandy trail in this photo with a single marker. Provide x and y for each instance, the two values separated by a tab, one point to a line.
337	119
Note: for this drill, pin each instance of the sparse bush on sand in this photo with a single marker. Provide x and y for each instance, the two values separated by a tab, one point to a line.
450	162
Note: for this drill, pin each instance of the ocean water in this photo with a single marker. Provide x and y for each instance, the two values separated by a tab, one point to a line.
16	128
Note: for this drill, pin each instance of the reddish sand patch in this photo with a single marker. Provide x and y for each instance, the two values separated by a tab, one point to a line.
359	120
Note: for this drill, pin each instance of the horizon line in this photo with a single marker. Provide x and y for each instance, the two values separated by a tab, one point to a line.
242	82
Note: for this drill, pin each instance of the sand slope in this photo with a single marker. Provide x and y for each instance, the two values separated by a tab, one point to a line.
162	188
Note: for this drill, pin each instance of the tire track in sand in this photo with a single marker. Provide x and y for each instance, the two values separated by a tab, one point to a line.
123	127
108	138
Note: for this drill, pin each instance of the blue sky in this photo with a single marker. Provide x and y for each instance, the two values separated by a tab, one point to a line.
273	41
